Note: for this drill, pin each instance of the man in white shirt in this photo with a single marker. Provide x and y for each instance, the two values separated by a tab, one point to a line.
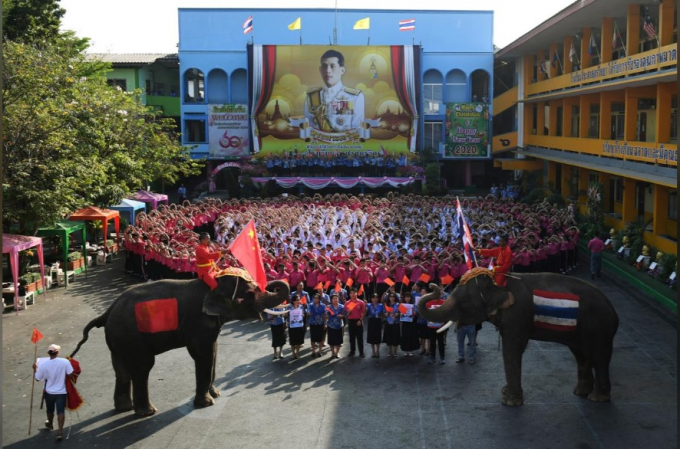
54	371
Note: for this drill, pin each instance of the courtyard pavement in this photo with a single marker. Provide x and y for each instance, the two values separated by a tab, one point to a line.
345	403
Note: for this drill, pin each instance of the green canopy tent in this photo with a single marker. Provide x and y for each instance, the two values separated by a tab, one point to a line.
63	229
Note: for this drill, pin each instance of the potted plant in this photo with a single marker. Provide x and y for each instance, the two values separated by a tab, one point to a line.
27	281
111	247
75	260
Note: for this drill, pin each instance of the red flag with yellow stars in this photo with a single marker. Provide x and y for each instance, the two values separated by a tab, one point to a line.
246	249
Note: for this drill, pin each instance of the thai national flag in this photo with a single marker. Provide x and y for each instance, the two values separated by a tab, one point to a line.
465	235
248	25
555	311
407	25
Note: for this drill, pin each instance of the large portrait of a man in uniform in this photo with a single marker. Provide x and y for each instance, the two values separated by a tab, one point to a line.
334	107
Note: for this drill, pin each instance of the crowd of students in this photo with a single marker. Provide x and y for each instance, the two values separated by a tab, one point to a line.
318	164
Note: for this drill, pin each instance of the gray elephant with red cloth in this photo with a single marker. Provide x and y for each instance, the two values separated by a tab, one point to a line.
149	319
537	306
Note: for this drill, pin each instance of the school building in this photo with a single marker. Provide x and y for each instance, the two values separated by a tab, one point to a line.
591	95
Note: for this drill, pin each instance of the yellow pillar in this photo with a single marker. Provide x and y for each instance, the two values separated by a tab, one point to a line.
566	180
568	41
633	29
629	211
553	71
540	59
540	118
629	128
666	13
568	103
660	209
605	115
584	110
663	112
606	38
552	125
585	42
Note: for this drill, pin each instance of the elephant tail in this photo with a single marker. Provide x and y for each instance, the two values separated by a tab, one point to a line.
97	322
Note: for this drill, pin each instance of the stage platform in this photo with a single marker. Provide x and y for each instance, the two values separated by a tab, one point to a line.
318	183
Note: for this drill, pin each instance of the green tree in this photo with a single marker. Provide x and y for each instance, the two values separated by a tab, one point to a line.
71	140
35	21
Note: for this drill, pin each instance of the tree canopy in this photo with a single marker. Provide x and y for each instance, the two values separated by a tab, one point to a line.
70	140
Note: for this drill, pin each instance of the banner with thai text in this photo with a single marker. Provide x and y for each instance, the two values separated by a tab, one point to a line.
467	130
228	130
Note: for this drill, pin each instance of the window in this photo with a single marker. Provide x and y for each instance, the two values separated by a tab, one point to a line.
674	118
534	118
573	182
456	86
433	94
122	83
594	122
593	177
194	86
575	116
194	131
618	190
618	120
560	117
433	135
673	205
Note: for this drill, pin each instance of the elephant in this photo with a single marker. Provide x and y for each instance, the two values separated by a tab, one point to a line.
151	318
536	306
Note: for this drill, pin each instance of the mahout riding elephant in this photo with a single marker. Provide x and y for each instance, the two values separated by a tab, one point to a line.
537	306
151	318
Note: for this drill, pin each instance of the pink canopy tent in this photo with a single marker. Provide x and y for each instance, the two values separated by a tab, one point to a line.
12	244
150	197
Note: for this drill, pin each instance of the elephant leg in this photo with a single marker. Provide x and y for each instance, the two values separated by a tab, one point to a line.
203	360
140	384
214	392
512	362
601	359
122	395
584	386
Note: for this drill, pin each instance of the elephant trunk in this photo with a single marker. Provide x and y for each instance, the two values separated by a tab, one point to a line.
276	293
440	314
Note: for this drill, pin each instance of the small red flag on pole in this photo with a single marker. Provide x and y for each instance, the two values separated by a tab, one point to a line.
36	336
349	282
405	280
361	290
389	282
424	277
338	287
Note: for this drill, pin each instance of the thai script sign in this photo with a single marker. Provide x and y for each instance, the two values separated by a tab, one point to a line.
651	153
228	130
636	63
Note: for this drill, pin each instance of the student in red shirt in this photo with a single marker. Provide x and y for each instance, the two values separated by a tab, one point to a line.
355	310
206	261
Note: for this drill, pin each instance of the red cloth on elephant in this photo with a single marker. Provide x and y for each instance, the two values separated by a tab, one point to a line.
502	265
205	262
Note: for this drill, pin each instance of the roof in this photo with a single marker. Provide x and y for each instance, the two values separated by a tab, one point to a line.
13	242
571	20
136	59
94	214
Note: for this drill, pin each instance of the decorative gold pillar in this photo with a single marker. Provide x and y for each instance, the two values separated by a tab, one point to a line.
633	30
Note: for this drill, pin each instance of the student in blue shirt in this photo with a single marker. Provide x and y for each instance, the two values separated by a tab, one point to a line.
376	312
317	323
391	335
334	324
277	325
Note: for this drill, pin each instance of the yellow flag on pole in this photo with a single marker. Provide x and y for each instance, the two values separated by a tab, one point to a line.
296	25
363	24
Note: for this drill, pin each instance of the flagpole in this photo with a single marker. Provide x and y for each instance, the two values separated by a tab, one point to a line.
30	413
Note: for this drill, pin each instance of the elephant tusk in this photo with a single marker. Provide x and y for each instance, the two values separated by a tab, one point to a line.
272	312
444	327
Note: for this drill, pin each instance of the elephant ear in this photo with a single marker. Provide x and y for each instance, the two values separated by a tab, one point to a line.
215	303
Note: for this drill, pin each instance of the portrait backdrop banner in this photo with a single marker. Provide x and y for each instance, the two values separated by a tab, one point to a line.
333	99
228	130
467	130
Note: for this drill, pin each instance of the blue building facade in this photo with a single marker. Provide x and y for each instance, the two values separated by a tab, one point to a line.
456	57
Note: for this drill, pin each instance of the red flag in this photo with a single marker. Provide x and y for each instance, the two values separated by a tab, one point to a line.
246	249
318	286
361	290
389	282
446	280
36	336
424	277
338	287
350	306
326	285
349	282
330	310
405	280
303	300
402	308
389	309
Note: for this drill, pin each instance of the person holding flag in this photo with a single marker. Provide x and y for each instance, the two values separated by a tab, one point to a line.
376	312
503	260
296	326
391	334
316	313
409	330
206	261
55	372
334	324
